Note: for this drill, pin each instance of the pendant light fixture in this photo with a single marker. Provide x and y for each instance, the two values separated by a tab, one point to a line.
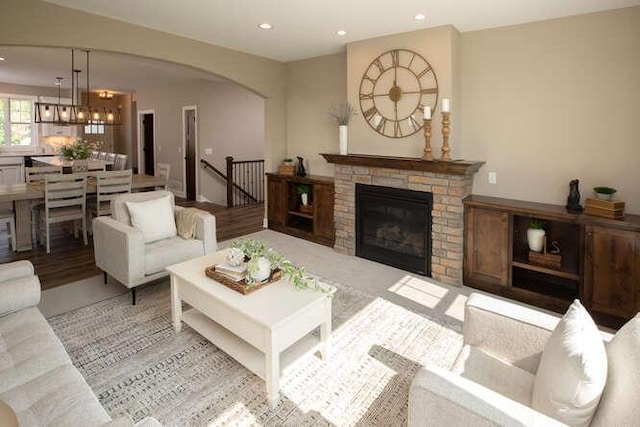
76	113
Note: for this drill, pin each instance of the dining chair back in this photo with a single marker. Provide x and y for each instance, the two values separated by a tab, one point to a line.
94	154
37	173
120	162
111	157
65	199
102	155
163	170
108	185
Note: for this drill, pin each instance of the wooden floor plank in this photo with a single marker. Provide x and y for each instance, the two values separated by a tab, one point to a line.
70	260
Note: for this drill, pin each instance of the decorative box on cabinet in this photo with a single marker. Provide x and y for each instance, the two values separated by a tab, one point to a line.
285	215
600	258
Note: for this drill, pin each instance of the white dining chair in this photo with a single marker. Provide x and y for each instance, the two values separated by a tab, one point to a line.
163	170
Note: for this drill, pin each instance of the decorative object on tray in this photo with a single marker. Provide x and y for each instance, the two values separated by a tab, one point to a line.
287	167
535	235
342	115
427	155
573	199
604	193
235	257
552	259
303	191
257	260
300	170
604	208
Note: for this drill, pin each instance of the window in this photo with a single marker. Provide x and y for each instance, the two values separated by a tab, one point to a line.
16	122
94	128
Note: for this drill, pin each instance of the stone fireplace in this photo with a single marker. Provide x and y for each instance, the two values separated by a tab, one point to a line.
449	183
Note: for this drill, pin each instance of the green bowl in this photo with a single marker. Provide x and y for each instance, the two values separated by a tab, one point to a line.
604	190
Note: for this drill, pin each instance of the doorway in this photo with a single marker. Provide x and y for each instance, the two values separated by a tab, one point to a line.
146	141
190	149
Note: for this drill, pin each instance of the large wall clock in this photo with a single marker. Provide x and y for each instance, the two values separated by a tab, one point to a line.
394	90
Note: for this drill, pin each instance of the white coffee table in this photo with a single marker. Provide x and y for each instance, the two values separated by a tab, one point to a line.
265	331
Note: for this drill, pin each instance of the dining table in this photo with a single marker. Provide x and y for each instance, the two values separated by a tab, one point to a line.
25	195
59	161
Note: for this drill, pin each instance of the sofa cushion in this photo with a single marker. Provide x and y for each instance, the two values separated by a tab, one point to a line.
7	416
495	374
60	397
165	252
572	371
155	218
619	403
28	348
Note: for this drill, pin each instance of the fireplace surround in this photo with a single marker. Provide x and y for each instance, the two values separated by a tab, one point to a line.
449	183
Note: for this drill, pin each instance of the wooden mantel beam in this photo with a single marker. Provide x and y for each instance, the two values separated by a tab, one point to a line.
456	167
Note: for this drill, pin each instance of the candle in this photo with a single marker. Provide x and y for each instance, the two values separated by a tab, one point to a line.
445	105
427	113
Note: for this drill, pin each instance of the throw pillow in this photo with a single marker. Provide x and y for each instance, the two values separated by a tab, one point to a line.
619	403
154	218
572	371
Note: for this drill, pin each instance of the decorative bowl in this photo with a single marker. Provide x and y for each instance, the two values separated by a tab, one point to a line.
604	193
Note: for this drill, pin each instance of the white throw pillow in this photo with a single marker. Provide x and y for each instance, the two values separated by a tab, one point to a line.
154	218
572	371
619	403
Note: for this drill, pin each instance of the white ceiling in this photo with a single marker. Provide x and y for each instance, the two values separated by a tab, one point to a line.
306	28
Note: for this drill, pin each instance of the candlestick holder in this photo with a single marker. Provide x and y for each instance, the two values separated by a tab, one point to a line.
446	130
427	140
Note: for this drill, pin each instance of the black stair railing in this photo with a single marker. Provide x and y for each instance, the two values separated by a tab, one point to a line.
244	180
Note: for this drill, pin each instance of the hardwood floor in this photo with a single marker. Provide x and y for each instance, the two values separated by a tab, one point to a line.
70	260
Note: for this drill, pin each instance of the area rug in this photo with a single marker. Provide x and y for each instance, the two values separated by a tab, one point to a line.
136	364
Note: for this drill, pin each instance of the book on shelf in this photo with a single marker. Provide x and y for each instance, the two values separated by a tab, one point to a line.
233	272
605	204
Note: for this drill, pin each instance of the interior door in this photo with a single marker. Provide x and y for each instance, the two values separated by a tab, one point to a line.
148	143
190	152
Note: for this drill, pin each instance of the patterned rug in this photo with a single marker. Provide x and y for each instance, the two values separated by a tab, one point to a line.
136	364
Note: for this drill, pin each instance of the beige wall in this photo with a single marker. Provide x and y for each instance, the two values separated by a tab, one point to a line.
33	90
51	25
437	47
230	122
314	87
546	102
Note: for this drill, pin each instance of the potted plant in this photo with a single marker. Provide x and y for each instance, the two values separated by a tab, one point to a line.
78	152
342	115
535	235
287	162
303	191
604	193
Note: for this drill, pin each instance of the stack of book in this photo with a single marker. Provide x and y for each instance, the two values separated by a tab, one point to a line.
232	272
604	208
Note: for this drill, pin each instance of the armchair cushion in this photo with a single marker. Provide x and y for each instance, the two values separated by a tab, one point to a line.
619	403
165	252
19	287
155	218
572	371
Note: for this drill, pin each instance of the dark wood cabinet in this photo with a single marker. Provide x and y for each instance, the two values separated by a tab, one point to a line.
612	258
487	247
284	212
599	258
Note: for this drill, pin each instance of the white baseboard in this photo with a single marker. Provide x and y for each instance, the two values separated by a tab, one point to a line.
201	198
265	223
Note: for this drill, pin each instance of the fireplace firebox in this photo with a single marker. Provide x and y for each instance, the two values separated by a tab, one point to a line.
393	226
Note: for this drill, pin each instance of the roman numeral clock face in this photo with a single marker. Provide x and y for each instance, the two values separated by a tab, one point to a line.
394	90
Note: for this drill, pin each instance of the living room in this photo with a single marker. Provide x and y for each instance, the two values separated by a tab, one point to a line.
539	101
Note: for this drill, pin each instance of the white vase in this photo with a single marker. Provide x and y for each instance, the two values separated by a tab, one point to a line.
344	135
535	238
259	269
305	198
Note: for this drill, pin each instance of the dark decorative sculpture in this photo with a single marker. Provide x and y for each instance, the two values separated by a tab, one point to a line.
300	171
573	200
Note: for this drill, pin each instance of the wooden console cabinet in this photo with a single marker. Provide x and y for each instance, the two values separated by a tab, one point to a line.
600	258
283	207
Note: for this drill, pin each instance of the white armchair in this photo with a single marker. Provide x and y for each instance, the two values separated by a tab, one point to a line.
491	382
121	251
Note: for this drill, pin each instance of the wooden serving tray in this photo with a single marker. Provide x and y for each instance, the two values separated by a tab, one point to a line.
241	286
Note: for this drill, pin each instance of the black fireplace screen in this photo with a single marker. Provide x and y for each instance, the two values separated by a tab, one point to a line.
393	226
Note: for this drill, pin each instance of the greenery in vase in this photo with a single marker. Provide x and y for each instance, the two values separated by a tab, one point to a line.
303	189
536	224
342	115
79	150
255	248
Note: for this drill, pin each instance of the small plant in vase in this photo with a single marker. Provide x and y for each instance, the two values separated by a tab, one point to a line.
535	235
303	191
342	115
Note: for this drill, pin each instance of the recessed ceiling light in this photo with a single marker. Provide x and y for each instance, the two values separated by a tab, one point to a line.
1	58
265	26
419	17
341	32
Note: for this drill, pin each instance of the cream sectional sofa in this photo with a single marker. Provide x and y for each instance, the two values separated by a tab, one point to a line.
37	379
